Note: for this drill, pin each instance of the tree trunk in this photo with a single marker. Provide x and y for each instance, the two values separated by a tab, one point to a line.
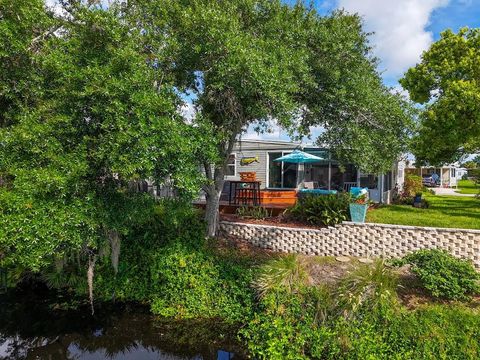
216	181
213	193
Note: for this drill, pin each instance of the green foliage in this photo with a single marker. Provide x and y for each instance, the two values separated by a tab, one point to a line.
412	185
431	332
22	30
470	164
190	283
447	81
287	272
288	326
321	210
367	288
475	174
167	263
97	123
444	275
253	212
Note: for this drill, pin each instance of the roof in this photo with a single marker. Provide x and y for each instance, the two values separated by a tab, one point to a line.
275	142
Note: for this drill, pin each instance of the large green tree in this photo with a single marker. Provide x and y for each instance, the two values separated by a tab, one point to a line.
251	61
447	81
23	26
101	119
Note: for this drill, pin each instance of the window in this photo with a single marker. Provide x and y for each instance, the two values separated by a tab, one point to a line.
280	174
453	173
231	166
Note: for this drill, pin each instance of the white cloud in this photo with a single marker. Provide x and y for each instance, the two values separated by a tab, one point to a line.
58	9
188	111
274	132
55	7
399	25
397	89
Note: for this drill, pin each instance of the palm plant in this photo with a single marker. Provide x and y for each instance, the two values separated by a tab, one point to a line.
288	272
366	288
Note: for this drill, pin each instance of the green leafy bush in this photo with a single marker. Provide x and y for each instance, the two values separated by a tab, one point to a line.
430	332
290	326
286	326
167	263
444	275
192	283
321	209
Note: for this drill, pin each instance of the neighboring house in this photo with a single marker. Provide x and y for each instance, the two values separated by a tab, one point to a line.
258	156
449	174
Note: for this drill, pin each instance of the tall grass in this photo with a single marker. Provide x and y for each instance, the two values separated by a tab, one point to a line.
288	272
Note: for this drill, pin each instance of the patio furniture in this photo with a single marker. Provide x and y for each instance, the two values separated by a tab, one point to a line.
348	185
248	176
299	157
310	185
244	193
316	192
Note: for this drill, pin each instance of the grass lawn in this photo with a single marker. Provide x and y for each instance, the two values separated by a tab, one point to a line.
467	187
444	211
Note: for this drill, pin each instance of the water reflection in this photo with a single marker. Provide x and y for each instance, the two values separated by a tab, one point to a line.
29	329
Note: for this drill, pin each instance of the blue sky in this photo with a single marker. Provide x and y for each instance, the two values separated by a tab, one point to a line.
403	29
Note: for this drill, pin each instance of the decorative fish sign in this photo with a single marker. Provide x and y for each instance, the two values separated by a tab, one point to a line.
248	160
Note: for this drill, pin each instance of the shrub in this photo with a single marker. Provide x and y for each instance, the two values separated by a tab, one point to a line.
367	288
403	200
285	326
321	209
412	185
167	264
444	275
430	332
287	272
192	283
253	212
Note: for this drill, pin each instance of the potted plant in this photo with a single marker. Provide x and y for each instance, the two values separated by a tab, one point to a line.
359	205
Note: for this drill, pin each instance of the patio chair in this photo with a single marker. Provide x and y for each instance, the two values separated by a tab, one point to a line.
348	185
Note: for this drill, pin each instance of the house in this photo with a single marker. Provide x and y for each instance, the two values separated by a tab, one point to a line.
280	180
449	174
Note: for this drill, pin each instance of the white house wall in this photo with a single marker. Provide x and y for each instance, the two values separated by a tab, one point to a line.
252	149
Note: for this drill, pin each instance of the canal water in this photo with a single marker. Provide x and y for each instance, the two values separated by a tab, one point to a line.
37	327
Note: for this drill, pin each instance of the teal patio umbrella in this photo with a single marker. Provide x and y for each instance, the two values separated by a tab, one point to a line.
299	157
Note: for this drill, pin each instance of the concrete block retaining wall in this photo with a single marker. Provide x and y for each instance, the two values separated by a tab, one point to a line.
354	239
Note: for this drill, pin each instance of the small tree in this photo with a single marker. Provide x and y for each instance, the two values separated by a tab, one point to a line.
447	81
249	62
